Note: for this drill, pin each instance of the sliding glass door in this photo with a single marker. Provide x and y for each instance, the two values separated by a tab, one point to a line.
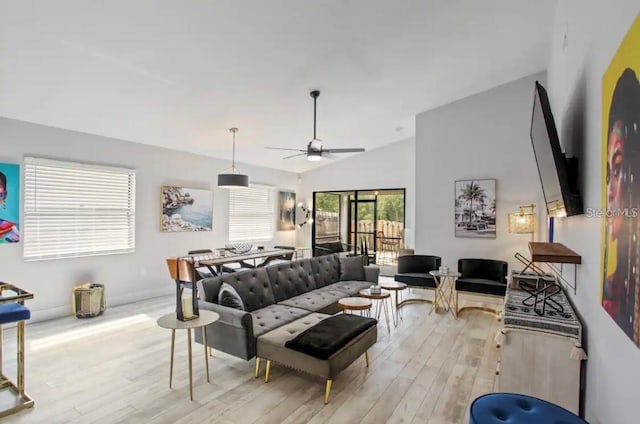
360	221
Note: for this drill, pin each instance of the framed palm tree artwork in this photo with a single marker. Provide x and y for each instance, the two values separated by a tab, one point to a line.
475	208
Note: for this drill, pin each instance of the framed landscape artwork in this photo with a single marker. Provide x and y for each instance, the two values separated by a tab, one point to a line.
620	281
186	209
475	208
286	211
9	203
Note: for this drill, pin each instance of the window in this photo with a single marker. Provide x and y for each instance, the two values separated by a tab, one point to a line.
74	209
251	214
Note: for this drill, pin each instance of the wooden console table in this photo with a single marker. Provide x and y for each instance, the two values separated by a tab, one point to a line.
556	253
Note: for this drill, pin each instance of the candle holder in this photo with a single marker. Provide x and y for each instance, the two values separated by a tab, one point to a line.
182	271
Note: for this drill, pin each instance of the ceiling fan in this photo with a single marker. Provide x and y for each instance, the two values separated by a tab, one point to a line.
314	151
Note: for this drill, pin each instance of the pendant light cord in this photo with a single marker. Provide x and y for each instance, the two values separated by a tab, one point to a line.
315	99
233	160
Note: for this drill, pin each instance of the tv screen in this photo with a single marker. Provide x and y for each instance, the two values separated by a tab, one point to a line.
558	174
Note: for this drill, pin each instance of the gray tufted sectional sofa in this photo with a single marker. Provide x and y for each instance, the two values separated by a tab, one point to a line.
274	296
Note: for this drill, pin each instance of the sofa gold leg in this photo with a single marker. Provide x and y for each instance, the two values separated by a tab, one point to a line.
366	357
266	373
327	392
257	367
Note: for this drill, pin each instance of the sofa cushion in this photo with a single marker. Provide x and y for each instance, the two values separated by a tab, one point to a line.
315	300
326	269
351	288
352	268
330	335
290	279
229	297
274	316
416	279
252	285
481	285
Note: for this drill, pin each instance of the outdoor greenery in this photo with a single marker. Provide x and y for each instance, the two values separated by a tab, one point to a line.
390	206
328	202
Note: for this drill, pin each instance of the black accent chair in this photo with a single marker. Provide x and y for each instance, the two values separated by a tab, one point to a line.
413	270
483	277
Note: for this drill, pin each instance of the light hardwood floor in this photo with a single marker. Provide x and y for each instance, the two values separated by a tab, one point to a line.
115	369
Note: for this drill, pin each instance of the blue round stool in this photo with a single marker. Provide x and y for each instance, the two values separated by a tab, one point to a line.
501	408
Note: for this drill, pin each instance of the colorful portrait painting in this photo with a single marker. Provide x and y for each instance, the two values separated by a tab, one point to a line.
186	209
9	203
286	211
621	185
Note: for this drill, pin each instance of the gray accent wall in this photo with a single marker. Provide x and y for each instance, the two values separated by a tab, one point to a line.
482	136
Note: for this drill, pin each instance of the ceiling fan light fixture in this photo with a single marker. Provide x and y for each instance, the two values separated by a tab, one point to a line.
314	156
233	178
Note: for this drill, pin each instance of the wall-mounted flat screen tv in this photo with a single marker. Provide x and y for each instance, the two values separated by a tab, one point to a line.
558	174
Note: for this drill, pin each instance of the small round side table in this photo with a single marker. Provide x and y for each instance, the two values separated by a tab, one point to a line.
445	290
355	304
397	288
381	302
171	322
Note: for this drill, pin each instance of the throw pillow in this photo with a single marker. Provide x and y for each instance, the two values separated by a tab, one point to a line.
229	297
352	268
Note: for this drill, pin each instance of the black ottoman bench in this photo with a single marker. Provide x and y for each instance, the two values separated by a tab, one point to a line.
318	344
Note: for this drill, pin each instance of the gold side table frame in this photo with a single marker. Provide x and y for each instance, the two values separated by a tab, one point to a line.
170	321
12	294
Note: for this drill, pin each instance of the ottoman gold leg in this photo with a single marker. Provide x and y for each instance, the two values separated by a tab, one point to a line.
266	374
327	392
366	357
257	367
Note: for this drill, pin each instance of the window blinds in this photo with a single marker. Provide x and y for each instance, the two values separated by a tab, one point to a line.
74	209
251	214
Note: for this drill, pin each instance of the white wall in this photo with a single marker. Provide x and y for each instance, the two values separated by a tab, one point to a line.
482	136
594	30
127	277
391	166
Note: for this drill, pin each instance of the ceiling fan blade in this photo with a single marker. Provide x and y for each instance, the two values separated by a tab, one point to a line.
329	155
350	150
285	148
293	156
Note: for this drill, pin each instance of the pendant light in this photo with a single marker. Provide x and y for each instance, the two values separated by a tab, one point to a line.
233	179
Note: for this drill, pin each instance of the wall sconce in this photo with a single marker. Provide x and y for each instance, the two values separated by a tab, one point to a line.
556	209
306	214
523	221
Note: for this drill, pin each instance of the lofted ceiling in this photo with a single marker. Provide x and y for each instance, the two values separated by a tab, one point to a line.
179	74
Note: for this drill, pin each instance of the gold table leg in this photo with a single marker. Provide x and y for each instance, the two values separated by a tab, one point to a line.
366	357
327	392
257	367
173	344
266	375
206	353
1	341
21	358
190	367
